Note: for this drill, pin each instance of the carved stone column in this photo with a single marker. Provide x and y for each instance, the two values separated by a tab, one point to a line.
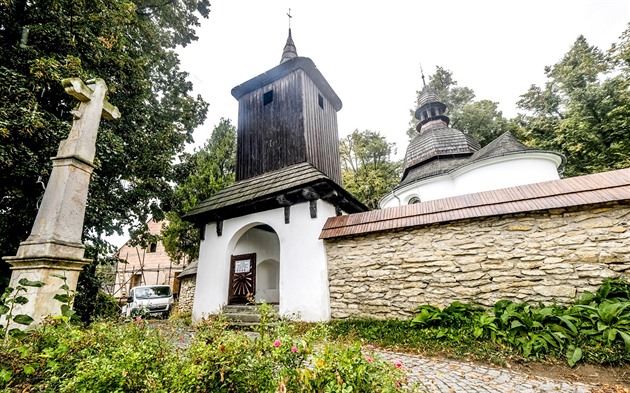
54	246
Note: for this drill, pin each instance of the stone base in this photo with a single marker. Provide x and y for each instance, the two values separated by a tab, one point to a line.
41	302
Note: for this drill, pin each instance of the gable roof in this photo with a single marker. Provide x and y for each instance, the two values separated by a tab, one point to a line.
260	193
576	191
507	144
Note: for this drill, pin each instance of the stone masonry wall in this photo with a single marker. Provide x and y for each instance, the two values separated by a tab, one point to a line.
186	293
538	256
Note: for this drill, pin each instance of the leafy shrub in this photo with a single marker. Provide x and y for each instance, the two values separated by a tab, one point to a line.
136	357
106	307
596	329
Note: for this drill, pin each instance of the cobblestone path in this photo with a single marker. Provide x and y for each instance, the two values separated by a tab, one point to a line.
448	376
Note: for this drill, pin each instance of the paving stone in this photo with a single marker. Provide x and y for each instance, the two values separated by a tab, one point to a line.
447	376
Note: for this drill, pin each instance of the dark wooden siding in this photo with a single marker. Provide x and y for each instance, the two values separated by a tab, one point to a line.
320	130
271	137
293	128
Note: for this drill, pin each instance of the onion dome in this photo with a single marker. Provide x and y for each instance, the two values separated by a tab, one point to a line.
438	148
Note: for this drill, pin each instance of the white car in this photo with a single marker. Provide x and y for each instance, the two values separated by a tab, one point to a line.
149	300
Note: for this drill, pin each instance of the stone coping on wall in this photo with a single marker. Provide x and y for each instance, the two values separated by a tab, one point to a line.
576	191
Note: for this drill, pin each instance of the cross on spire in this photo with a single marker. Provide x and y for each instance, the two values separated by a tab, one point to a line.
290	16
422	74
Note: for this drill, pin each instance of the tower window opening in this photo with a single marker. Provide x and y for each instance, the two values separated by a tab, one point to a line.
153	247
320	101
268	97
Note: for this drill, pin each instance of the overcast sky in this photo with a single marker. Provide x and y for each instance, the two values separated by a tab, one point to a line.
370	51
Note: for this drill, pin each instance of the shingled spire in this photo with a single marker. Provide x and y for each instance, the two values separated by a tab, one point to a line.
289	51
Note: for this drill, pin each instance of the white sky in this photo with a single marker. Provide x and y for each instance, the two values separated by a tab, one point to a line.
370	51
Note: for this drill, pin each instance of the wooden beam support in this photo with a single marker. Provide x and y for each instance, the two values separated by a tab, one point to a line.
287	214
312	205
309	194
220	228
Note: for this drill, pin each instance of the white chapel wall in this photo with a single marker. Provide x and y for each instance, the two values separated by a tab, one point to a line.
486	175
303	289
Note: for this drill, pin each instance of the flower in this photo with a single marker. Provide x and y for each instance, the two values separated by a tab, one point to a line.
370	346
294	349
368	358
398	363
276	343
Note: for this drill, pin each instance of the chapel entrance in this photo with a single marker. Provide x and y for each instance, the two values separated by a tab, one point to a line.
242	278
255	267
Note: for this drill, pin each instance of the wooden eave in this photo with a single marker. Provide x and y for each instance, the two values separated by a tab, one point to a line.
287	186
613	186
284	69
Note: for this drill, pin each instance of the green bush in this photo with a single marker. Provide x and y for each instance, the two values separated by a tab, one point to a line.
135	357
596	329
106	307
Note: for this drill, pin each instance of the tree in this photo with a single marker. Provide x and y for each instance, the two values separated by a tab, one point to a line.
201	175
480	119
131	45
583	110
367	171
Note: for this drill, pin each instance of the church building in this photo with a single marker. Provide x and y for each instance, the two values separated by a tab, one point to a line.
443	162
261	235
287	233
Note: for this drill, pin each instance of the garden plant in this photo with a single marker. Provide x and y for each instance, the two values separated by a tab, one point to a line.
137	357
595	329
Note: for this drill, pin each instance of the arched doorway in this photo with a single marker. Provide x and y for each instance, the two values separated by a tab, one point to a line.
268	281
255	266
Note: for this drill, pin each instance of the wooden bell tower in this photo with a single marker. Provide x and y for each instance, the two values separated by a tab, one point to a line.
287	115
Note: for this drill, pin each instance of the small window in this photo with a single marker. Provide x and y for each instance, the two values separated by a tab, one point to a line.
153	247
414	200
268	97
320	101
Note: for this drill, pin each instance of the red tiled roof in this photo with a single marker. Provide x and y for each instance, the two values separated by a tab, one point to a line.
582	190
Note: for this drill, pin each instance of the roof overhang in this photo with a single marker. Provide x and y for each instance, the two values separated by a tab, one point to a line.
285	187
297	63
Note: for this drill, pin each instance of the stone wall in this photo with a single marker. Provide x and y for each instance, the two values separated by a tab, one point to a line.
544	256
186	293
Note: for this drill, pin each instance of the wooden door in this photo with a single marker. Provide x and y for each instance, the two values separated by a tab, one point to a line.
242	278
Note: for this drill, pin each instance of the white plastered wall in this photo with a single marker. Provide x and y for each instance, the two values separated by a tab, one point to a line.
492	174
303	285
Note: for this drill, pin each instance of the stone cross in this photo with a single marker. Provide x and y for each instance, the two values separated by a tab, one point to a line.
54	246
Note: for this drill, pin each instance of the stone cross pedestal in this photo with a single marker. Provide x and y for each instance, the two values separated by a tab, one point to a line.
54	245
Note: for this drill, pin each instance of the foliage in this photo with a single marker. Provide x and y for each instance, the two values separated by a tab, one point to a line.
200	175
89	302
130	44
367	170
137	357
583	110
106	307
10	298
481	119
596	329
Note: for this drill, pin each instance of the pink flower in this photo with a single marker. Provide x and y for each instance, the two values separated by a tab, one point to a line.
368	358
370	346
276	343
294	349
398	364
